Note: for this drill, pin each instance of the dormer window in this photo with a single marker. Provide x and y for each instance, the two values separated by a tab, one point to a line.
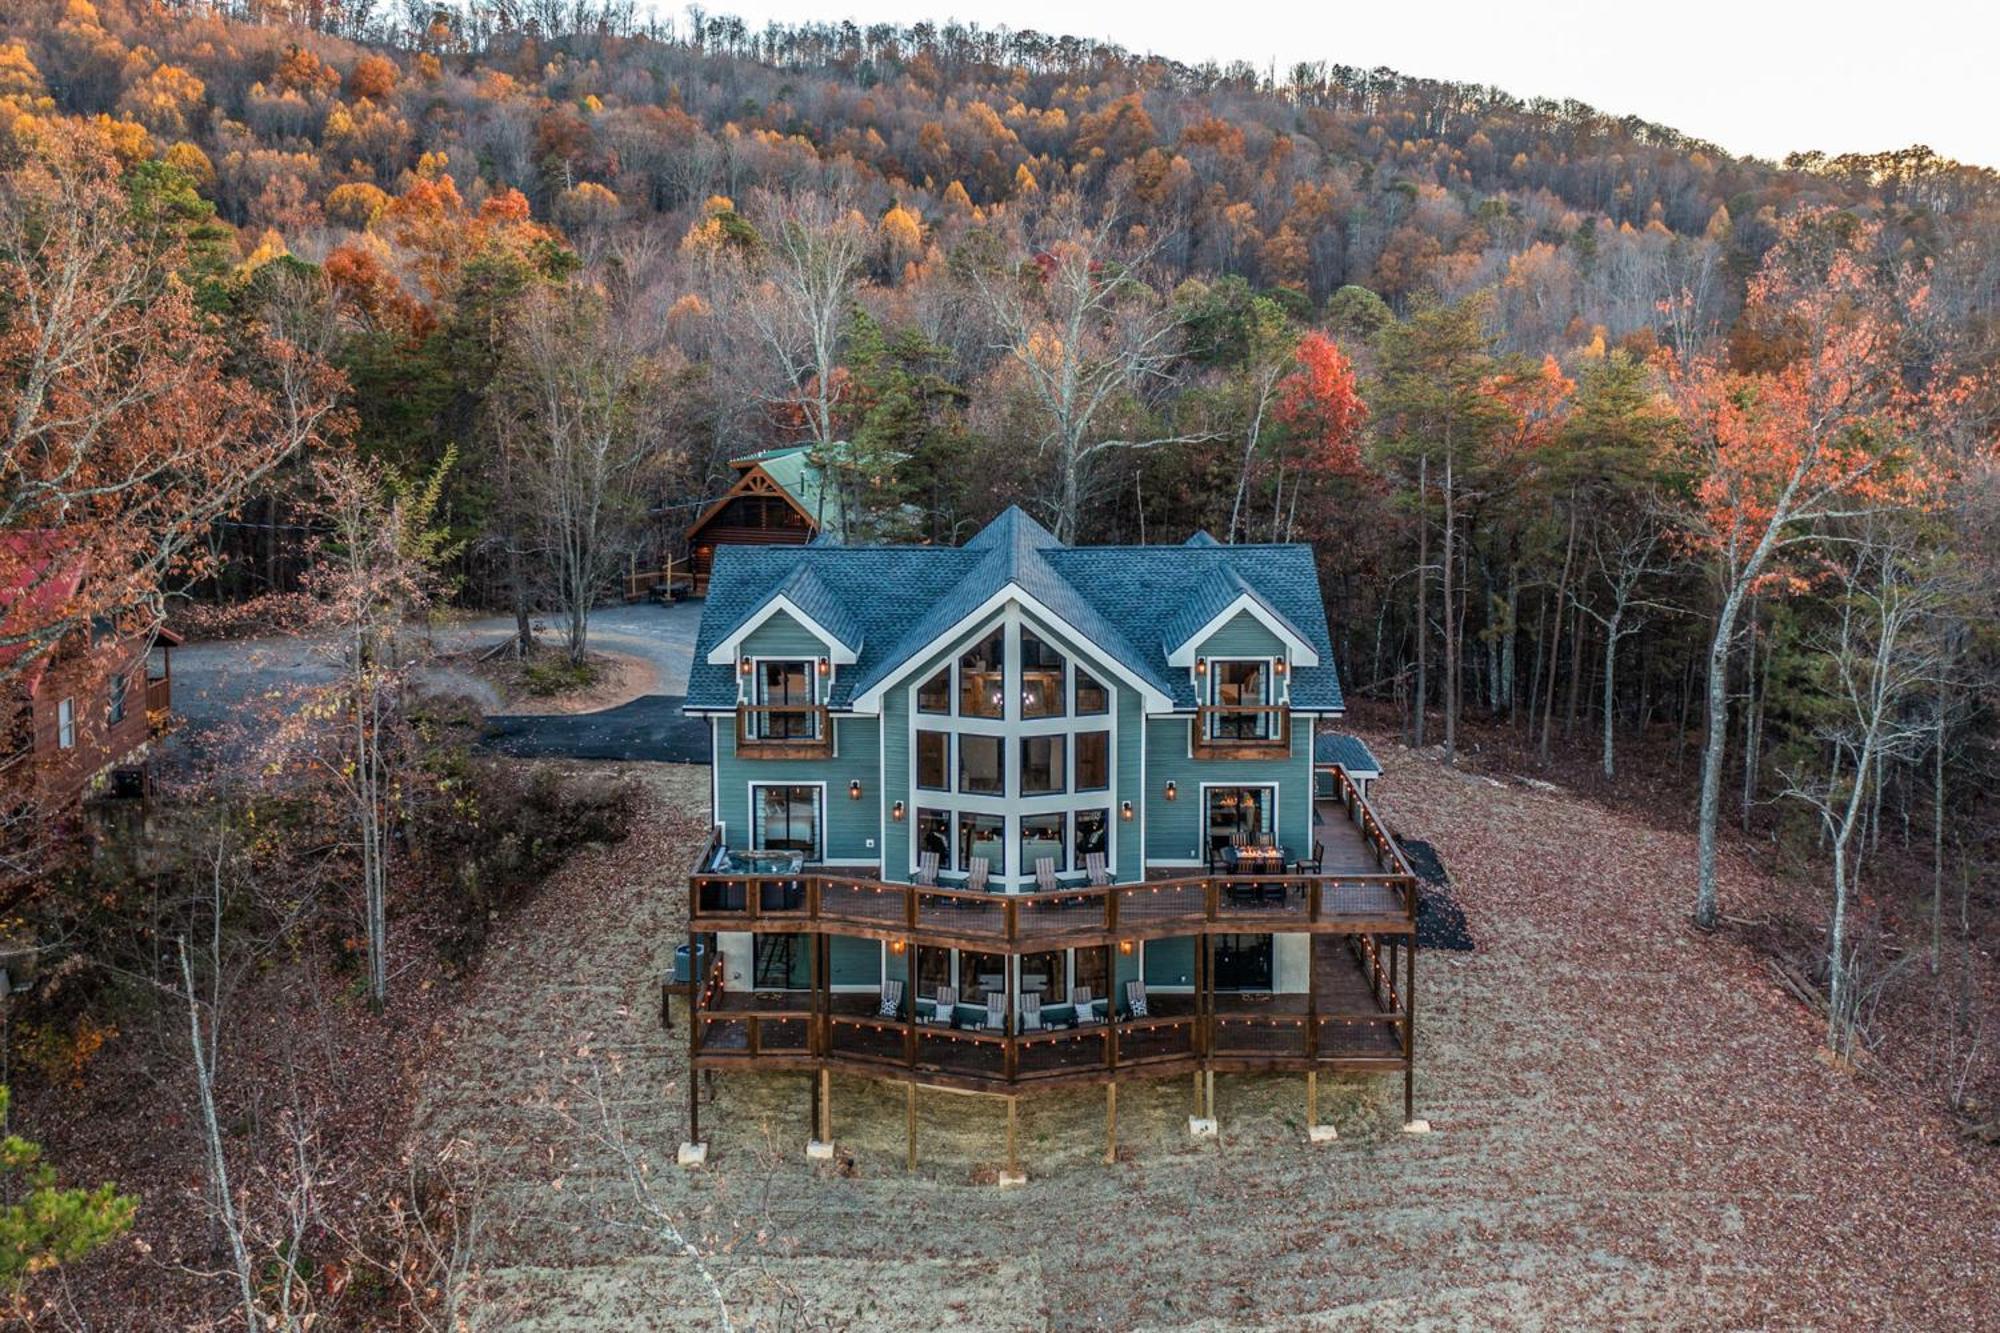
1240	692
786	692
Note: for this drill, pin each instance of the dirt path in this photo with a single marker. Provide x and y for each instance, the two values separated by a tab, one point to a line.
1631	1130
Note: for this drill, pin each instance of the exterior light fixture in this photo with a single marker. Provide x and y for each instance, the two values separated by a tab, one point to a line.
1279	666
1201	666
1173	792
854	790
824	666
896	812
1125	810
743	665
895	946
1125	946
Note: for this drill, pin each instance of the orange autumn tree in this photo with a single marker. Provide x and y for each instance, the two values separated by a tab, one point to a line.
1824	427
130	424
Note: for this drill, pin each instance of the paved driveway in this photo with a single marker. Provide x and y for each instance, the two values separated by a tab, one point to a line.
215	684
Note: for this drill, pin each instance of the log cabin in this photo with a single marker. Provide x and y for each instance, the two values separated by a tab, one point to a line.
779	498
1017	816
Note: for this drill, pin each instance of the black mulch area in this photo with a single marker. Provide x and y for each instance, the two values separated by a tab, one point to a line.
1440	920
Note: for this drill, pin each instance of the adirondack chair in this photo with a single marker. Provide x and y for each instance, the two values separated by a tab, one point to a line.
892	1000
1045	874
1094	869
927	869
996	1011
947	1004
1085	1015
1135	999
977	874
1031	1011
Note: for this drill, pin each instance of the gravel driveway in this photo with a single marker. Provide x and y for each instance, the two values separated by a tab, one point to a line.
215	681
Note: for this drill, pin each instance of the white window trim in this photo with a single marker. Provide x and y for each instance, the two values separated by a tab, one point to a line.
1276	807
1213	683
724	653
1298	650
819	832
1011	729
1014	600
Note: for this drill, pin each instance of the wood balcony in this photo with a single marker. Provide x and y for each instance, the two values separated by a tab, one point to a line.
159	701
783	731
1241	731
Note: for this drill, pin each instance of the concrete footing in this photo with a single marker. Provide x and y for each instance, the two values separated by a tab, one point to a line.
1011	1179
1201	1127
1321	1133
1417	1127
692	1154
818	1150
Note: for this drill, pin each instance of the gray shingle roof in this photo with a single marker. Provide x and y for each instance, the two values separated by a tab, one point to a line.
1349	751
1123	599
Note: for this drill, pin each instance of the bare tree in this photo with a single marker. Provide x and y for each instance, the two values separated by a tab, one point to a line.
1623	561
814	249
1879	658
584	418
1087	336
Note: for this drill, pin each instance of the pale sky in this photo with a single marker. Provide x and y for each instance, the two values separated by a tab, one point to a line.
1759	77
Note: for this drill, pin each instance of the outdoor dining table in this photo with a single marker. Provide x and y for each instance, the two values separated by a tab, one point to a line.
1260	860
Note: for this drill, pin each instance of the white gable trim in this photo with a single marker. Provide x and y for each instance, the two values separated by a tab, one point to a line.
724	653
871	700
1302	653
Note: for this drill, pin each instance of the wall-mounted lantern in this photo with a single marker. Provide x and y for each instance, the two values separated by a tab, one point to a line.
1201	666
1125	810
824	666
1173	792
854	790
896	812
1125	947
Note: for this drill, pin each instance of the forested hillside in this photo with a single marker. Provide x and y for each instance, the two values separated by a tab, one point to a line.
1661	472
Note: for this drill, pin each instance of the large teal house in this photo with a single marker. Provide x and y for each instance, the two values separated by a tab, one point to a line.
1018	814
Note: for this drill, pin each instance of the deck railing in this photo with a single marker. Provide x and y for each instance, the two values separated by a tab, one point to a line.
832	901
810	1035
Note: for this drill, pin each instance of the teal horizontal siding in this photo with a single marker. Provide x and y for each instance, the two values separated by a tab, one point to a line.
1242	636
1174	828
853	962
850	825
782	636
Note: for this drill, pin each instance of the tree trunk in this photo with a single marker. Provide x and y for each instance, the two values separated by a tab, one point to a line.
1451	616
1555	642
1712	757
1423	596
1610	666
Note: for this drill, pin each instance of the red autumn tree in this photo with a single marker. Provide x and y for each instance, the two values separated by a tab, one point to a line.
1320	407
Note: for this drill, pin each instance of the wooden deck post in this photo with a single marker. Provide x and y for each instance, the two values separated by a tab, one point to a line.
1199	1114
826	1105
1312	1098
1013	1155
910	1154
1410	1027
1208	1094
1111	1122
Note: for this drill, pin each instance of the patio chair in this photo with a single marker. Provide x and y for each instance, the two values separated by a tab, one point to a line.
977	874
1274	892
927	869
1094	871
1135	999
1031	1011
1080	998
1045	874
996	1012
947	1004
892	1000
1312	867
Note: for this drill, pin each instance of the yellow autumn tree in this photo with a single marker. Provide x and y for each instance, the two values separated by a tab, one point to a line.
356	205
164	101
1024	181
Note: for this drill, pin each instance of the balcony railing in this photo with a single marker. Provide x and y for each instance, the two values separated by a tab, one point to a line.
783	731
1242	731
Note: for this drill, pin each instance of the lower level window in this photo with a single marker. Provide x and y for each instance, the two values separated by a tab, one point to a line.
983	836
1093	834
1041	839
787	818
